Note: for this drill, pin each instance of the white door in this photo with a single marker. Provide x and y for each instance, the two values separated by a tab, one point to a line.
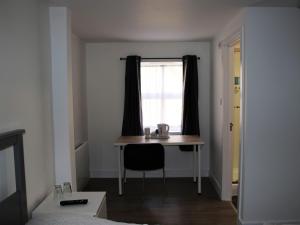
235	113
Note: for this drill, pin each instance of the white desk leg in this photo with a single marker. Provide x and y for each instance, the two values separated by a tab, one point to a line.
199	169
120	170
194	163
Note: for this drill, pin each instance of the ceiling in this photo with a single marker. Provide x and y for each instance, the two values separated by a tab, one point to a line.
156	20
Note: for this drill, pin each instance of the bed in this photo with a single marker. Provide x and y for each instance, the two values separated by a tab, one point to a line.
13	208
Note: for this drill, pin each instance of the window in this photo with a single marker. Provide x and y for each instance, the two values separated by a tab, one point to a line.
161	88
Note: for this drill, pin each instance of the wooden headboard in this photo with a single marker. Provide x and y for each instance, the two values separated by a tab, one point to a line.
13	209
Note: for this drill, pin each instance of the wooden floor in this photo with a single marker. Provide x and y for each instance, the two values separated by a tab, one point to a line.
173	203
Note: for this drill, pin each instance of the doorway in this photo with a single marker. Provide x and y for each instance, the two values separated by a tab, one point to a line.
232	53
235	95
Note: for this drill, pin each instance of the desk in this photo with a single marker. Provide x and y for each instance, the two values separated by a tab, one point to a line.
174	140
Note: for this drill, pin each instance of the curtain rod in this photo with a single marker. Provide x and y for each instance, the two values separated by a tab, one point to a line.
159	58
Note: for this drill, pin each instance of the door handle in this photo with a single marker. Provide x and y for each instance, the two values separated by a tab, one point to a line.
230	126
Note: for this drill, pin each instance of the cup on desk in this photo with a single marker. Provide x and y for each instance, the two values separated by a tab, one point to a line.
147	132
58	193
67	191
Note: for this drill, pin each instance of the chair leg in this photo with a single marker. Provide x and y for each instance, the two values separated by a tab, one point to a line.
144	175
124	177
164	175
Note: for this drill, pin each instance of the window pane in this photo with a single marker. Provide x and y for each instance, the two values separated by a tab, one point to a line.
161	87
151	80
172	114
173	79
151	112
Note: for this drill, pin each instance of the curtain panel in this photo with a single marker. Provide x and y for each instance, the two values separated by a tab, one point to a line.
190	117
132	117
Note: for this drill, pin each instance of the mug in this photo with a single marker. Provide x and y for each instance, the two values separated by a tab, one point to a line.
147	132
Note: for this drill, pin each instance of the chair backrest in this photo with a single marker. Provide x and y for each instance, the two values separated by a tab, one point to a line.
144	157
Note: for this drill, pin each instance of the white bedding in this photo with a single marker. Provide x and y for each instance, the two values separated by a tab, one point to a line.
70	219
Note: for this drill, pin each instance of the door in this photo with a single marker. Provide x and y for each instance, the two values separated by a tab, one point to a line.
235	118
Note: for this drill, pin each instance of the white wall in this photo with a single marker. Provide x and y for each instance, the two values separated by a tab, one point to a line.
105	96
80	112
62	96
270	187
79	91
272	108
217	103
24	95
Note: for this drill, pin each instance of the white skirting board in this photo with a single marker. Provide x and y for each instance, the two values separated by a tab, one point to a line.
82	165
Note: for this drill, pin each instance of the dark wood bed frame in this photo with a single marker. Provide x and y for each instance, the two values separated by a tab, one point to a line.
13	209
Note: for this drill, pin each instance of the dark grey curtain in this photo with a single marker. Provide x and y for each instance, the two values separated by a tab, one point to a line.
190	118
132	118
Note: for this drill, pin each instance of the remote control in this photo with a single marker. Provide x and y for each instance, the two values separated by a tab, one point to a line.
74	202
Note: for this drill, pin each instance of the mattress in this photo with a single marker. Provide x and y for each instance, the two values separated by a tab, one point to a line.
71	219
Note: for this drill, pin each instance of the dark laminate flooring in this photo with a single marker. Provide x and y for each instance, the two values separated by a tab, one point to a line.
173	203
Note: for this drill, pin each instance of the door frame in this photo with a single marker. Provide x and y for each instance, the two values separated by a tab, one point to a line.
225	45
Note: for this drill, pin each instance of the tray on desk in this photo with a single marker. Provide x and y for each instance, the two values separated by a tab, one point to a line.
158	137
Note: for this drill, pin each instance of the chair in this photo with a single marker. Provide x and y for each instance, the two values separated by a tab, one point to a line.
144	157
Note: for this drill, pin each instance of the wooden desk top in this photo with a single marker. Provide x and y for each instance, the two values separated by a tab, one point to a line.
173	140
